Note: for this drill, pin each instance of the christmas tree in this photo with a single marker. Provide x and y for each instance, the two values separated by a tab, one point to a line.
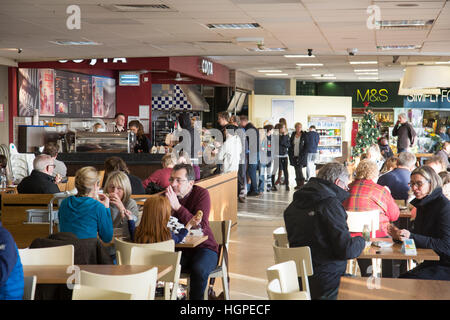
368	132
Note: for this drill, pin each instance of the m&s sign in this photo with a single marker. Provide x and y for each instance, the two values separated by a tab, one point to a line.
372	95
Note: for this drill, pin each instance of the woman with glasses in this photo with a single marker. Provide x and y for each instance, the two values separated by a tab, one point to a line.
431	228
88	212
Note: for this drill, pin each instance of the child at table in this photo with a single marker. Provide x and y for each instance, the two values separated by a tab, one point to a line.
153	226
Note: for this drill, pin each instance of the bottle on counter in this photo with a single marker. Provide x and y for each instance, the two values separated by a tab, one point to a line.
366	233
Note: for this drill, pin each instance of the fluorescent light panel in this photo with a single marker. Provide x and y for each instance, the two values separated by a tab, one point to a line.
399	47
368	78
363	62
276	74
366	70
299	56
442	62
367	73
233	25
309	64
404	23
75	43
270	71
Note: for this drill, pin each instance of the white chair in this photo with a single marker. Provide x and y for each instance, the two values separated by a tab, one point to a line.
82	292
356	221
146	256
62	255
283	282
141	285
303	261
29	287
123	248
280	237
221	231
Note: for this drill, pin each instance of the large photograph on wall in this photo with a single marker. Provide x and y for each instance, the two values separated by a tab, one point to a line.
47	94
103	97
28	91
73	95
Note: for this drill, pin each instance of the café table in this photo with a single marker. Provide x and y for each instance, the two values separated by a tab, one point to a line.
394	253
55	274
191	241
363	288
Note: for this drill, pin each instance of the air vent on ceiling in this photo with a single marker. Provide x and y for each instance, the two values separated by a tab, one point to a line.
138	8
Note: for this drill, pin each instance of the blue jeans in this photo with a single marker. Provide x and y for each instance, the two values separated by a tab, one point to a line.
199	262
264	172
251	170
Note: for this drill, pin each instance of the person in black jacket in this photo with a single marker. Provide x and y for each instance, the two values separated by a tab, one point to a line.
143	143
431	228
40	180
282	156
317	219
311	143
297	156
405	133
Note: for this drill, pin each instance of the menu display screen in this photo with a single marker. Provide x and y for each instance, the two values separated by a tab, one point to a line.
73	95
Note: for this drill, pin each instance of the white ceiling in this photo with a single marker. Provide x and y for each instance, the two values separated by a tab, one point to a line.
328	27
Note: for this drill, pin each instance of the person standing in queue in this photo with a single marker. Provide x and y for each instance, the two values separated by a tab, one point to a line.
186	199
297	157
405	133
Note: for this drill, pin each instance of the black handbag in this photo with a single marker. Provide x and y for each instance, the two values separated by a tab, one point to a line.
153	188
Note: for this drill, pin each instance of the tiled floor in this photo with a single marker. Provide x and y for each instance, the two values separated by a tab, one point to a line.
250	249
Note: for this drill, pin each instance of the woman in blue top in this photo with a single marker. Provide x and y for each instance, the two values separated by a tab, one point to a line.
86	214
153	226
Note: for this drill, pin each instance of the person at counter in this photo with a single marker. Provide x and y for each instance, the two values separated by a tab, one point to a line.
52	150
41	179
142	142
185	124
117	164
119	119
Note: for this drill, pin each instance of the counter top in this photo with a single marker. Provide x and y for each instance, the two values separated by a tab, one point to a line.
99	158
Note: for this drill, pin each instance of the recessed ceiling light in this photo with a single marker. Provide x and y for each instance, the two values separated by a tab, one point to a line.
325	78
233	25
363	62
276	74
75	43
366	70
399	47
270	71
299	56
309	64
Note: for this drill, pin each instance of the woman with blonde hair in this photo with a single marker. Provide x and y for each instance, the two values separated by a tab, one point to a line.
390	164
87	213
123	208
153	226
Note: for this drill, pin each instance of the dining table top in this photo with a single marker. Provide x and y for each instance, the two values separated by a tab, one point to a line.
59	274
363	288
191	241
394	252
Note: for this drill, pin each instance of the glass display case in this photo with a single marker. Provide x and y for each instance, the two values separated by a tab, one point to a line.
112	142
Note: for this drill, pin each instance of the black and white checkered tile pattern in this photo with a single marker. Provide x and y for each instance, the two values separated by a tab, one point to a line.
178	100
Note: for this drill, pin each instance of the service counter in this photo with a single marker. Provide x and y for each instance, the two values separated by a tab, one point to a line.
139	164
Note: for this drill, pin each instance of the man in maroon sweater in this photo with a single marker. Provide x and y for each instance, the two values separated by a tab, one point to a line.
186	199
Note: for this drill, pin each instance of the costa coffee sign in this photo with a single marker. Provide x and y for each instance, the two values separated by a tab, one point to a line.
206	67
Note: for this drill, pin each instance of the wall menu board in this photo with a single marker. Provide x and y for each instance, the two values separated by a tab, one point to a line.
73	95
103	97
28	91
65	94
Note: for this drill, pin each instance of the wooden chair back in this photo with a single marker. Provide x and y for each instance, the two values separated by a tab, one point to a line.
70	183
123	248
82	292
61	256
141	285
146	256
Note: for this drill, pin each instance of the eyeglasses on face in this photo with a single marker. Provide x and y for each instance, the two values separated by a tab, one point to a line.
178	180
418	184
